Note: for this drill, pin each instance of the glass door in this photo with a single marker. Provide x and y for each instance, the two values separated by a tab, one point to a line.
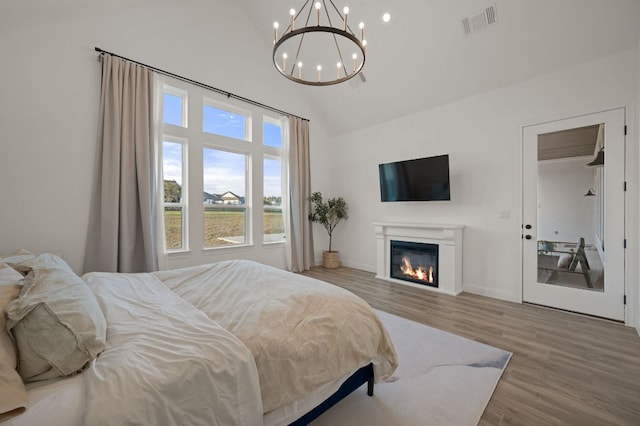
573	214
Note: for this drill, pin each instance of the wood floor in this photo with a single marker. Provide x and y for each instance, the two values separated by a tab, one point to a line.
566	369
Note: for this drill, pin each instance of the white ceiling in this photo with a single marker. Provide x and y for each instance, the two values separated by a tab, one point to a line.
570	143
422	58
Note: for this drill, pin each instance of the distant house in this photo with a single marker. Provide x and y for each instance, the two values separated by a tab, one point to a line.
226	198
211	198
231	198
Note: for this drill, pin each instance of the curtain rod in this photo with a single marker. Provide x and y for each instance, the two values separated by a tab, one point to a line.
205	86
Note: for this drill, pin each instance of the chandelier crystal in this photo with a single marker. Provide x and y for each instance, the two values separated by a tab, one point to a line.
318	39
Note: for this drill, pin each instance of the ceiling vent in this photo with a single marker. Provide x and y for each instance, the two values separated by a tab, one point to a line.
480	20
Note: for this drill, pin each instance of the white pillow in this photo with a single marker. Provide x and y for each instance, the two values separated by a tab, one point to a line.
56	321
24	262
10	286
13	396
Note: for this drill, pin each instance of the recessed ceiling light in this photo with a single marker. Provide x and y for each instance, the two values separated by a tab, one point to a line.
386	17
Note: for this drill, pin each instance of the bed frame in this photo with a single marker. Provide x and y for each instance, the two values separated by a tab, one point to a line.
360	377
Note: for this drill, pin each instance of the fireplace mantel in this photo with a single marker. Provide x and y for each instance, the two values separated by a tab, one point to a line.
448	237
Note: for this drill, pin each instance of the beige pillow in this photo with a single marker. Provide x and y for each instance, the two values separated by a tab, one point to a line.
13	396
56	321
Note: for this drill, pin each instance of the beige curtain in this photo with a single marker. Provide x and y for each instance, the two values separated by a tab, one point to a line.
299	241
122	227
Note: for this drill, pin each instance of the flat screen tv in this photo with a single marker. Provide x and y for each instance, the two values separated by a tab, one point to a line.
422	179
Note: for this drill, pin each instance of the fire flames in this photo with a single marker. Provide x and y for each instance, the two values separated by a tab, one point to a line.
421	273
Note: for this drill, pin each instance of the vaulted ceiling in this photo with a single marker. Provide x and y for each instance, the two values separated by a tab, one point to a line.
422	58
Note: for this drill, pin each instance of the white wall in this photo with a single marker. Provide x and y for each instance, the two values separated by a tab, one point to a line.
50	84
482	135
564	213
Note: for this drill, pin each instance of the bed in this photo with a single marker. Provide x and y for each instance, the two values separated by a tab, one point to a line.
233	342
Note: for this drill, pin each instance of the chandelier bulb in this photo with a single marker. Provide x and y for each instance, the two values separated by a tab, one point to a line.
275	31
346	13
300	70
338	66
284	61
386	17
292	12
318	6
361	26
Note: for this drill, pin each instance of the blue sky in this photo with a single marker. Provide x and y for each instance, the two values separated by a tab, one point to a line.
223	171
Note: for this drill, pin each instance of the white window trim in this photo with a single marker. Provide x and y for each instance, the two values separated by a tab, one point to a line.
181	93
252	147
248	127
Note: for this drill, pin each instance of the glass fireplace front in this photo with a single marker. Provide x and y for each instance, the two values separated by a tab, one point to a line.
414	262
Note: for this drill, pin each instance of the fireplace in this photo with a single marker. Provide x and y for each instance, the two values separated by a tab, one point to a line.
447	267
414	262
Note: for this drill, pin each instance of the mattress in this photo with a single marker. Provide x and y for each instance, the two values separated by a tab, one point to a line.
60	402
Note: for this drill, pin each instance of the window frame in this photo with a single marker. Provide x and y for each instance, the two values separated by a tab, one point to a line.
247	200
233	109
184	95
195	141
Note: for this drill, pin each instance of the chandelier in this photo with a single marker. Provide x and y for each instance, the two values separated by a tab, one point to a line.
318	47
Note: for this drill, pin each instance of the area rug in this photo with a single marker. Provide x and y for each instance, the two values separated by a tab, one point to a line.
442	379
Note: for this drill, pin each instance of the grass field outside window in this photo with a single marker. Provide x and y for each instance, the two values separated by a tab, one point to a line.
219	226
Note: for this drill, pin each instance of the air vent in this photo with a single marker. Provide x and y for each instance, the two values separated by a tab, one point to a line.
480	20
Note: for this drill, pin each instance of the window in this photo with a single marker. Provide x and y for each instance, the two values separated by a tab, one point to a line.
273	222
174	109
273	229
224	122
225	183
272	133
223	187
174	190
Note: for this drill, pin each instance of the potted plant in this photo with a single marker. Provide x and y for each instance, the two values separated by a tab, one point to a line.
328	214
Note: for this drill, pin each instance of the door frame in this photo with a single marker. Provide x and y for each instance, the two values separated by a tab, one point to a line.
629	308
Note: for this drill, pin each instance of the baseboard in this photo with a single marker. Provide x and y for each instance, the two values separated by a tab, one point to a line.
360	266
349	264
481	291
496	294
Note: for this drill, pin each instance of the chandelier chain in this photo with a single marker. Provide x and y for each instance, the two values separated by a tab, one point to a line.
295	62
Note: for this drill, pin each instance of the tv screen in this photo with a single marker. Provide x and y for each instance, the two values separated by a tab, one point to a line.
422	179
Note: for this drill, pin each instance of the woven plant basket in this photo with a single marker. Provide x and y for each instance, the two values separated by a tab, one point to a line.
330	259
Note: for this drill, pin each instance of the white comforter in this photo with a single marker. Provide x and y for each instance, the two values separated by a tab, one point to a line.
302	332
166	362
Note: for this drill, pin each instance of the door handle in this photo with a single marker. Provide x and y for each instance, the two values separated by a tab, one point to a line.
528	237
527	226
